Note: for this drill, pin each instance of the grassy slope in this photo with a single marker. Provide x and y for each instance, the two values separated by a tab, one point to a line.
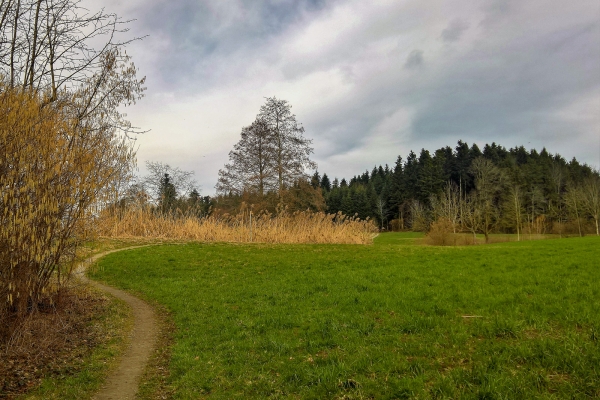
387	321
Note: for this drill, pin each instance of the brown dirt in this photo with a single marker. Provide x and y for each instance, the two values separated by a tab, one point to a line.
123	383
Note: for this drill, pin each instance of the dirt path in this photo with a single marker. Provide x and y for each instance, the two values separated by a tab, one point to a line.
125	380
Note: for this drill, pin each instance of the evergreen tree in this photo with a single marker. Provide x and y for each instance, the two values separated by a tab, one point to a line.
315	181
325	184
168	194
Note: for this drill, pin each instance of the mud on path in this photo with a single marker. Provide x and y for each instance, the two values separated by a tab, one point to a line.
124	381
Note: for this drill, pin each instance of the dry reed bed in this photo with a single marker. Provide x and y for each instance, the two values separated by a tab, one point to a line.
299	227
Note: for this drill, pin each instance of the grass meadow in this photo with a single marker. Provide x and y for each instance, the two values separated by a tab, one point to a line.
392	320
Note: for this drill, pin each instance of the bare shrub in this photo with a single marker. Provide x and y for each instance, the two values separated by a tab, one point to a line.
441	233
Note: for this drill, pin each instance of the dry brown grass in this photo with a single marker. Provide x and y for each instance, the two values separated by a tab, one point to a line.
298	227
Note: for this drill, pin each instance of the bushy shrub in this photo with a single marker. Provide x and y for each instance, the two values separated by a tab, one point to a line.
52	169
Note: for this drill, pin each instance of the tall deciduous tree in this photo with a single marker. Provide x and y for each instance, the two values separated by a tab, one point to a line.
251	166
291	148
271	156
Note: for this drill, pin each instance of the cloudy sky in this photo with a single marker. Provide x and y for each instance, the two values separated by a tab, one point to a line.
369	80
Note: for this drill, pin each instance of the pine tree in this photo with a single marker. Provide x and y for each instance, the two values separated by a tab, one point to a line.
325	184
168	194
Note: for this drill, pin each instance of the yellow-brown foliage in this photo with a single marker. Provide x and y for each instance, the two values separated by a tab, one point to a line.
297	227
52	168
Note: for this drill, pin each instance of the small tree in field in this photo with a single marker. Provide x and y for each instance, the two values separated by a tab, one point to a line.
52	170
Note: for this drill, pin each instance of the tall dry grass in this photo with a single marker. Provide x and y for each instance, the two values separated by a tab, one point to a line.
297	227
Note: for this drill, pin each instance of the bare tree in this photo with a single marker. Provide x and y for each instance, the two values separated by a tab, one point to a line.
573	199
291	149
160	174
447	205
251	164
513	207
381	210
536	208
488	185
556	205
73	56
418	216
590	198
271	156
470	215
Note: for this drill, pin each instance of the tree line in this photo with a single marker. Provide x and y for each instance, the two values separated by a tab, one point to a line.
479	191
475	190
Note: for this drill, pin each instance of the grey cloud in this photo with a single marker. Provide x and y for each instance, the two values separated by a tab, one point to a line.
454	31
202	32
414	60
513	88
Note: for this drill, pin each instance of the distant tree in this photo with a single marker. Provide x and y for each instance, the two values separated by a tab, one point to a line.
182	182
325	184
488	186
470	215
291	150
302	196
556	199
272	154
447	205
252	166
513	207
315	181
573	200
168	193
381	208
194	197
590	199
419	218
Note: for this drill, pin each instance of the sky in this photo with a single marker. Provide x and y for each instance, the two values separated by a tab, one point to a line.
368	80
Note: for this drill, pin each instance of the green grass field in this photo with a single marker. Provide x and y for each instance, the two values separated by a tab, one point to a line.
389	321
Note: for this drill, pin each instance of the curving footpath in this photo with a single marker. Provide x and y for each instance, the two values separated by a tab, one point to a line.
123	383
